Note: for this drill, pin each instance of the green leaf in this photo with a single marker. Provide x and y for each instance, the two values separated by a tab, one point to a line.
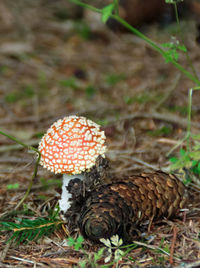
113	79
173	1
70	82
12	97
108	258
106	242
171	52
70	241
82	264
173	159
169	1
198	167
99	254
174	54
13	186
78	244
90	91
182	48
116	241
196	137
182	152
168	45
83	29
118	254
195	155
107	12
194	163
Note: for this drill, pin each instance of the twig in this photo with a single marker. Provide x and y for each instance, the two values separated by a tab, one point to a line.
173	244
65	229
190	265
173	119
176	146
168	141
4	252
25	260
154	248
3	265
154	167
65	260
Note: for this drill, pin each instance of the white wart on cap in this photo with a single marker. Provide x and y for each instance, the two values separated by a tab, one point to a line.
72	145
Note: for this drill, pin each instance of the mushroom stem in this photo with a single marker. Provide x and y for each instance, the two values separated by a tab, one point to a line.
64	202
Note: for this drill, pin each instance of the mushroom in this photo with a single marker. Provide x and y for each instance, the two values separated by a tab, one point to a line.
71	147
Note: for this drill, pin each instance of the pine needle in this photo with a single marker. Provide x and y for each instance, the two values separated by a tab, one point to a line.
28	230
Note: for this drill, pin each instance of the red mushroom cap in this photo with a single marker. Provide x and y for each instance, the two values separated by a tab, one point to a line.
72	145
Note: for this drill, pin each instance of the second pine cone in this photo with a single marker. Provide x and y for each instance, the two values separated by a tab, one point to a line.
121	206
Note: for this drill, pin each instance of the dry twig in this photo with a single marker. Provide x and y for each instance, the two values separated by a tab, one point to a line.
175	230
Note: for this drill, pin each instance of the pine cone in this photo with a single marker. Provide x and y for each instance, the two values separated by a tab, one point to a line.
121	206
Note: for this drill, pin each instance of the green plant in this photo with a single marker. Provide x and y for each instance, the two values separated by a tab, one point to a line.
113	79
142	98
162	131
76	243
82	29
26	230
113	250
188	163
70	82
172	49
183	110
188	160
26	92
48	183
91	259
113	244
13	186
90	91
164	246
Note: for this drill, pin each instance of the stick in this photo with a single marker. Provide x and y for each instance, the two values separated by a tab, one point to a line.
173	244
5	250
173	119
35	169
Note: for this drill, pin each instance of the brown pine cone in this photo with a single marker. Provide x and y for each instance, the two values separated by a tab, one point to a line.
120	207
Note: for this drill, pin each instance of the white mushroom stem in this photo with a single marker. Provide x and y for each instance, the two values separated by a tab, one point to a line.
64	202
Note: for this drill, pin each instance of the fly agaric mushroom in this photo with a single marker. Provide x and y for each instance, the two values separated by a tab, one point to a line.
71	147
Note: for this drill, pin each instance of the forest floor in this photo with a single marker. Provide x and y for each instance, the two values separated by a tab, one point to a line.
51	68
